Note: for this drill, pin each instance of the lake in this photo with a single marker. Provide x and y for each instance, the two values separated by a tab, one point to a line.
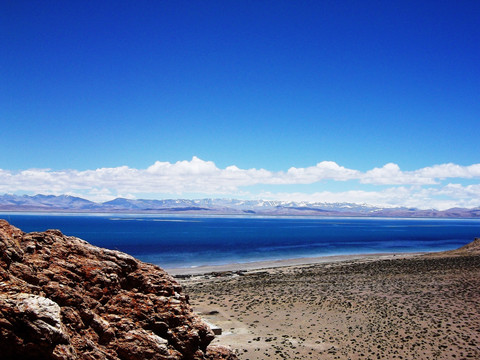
189	241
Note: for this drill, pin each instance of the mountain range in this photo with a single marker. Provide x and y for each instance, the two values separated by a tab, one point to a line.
67	203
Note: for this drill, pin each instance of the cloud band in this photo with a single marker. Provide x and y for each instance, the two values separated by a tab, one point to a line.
204	177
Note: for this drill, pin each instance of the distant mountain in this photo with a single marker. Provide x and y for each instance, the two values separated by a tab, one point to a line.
46	203
66	203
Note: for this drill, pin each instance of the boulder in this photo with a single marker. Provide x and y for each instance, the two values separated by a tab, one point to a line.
62	298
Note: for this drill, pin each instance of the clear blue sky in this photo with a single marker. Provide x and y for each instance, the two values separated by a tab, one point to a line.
255	84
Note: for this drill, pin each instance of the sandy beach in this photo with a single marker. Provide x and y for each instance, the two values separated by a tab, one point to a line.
270	264
380	306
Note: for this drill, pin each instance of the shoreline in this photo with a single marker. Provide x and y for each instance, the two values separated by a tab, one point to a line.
297	262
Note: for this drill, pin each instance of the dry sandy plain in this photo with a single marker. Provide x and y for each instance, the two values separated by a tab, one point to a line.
370	307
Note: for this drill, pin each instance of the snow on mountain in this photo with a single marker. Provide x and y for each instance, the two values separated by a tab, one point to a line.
68	203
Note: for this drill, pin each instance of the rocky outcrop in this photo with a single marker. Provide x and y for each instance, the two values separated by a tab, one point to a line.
62	298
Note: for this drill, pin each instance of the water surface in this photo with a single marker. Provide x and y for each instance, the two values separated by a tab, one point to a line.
186	241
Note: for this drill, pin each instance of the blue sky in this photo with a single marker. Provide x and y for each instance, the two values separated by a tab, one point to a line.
94	94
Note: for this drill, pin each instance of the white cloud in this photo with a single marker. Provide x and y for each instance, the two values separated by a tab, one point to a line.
183	168
325	170
450	170
390	174
408	188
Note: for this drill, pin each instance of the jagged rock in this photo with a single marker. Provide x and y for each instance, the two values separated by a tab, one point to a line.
62	298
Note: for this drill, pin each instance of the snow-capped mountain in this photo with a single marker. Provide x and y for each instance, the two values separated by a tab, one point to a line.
66	203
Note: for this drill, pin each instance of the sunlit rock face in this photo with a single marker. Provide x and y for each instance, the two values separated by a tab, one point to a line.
62	298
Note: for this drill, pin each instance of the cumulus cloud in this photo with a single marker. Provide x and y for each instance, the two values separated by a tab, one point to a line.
419	188
183	168
450	170
390	174
325	170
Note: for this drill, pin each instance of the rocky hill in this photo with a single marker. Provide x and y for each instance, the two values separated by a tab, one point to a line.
62	298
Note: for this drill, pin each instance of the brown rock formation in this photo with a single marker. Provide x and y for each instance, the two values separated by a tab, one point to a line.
62	298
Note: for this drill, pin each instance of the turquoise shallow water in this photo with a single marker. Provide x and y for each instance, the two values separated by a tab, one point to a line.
179	241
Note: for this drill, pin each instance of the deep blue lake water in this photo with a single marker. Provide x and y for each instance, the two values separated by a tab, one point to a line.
186	241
